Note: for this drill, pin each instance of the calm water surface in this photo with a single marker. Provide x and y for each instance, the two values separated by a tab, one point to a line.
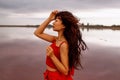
25	60
101	37
105	37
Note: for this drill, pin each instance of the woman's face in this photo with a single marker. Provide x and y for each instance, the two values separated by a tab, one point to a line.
57	25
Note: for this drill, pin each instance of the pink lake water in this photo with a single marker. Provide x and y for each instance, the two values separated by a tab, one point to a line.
22	55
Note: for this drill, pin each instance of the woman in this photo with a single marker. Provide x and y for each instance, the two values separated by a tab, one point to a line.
63	55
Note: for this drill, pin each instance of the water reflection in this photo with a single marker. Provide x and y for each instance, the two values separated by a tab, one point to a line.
11	33
25	59
105	37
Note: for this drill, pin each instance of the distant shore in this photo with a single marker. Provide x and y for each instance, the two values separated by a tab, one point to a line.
19	25
113	27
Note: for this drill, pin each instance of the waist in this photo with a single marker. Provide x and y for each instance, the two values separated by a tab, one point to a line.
50	63
50	68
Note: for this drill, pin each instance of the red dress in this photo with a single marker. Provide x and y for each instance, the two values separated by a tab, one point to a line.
56	75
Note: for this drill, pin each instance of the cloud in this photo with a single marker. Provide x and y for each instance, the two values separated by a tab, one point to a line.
27	6
15	8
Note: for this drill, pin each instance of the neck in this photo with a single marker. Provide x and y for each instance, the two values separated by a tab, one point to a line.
60	36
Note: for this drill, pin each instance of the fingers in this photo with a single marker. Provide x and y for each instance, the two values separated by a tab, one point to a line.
49	51
49	48
52	15
55	11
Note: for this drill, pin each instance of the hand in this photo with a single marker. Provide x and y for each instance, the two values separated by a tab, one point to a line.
49	51
52	15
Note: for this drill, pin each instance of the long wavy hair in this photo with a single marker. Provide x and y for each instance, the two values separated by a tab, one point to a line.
73	36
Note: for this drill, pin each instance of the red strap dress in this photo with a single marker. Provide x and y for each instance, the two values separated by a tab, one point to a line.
56	75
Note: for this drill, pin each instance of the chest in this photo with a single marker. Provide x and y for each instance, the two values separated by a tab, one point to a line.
56	50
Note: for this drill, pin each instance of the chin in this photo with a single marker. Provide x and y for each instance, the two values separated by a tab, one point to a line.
54	29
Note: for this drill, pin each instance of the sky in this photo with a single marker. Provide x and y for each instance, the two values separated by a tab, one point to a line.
34	12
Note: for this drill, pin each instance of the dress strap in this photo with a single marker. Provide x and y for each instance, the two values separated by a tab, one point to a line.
62	43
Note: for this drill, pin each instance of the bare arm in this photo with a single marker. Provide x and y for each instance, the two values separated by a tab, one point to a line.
39	32
63	65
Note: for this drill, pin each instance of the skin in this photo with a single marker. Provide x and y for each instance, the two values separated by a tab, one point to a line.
62	66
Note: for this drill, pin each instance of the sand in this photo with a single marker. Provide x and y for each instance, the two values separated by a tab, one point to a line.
25	60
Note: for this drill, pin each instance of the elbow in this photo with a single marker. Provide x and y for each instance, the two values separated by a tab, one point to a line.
36	33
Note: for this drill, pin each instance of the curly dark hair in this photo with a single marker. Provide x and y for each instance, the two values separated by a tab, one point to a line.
73	36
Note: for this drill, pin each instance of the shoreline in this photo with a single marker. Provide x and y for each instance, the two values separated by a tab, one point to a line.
98	27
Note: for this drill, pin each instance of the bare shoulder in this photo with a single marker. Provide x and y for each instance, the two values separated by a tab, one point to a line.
64	50
64	45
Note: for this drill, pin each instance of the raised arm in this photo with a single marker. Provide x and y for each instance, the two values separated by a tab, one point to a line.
39	32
